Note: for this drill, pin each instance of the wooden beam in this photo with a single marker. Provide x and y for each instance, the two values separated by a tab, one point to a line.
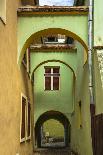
33	10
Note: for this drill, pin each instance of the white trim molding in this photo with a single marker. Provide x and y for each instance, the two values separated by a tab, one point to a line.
3	10
28	104
23	139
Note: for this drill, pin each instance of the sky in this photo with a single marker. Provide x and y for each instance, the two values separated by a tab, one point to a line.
56	2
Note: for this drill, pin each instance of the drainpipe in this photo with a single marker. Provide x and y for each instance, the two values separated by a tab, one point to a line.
90	63
90	58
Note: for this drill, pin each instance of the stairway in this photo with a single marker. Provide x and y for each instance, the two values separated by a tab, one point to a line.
62	151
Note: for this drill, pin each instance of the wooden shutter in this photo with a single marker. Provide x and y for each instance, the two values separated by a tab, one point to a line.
23	125
28	120
56	70
47	70
47	83
56	78
55	83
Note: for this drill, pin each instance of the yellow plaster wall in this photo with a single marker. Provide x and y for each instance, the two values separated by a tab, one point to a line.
13	81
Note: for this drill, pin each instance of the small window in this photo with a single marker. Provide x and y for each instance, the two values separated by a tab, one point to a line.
52	39
25	124
3	10
28	120
23	118
52	78
70	40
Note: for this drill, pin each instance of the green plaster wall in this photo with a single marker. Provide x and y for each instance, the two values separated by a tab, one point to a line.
98	41
48	100
68	56
86	2
81	137
61	100
98	23
98	86
79	70
75	25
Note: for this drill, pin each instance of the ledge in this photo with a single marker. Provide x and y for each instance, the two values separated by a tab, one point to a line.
52	47
59	149
98	47
32	10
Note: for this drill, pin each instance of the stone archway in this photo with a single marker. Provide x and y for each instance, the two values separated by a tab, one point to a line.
56	116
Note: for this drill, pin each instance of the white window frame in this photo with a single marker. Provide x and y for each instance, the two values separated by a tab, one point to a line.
3	11
23	139
52	77
28	138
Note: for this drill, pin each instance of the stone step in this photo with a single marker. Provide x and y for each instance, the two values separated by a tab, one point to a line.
49	151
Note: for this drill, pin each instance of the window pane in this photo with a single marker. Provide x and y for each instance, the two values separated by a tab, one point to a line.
52	39
70	40
55	83
23	118
55	70
47	83
47	70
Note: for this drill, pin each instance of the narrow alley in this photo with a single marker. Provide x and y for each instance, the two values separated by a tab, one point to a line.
51	77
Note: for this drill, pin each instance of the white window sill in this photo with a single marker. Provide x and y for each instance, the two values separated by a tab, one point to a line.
3	20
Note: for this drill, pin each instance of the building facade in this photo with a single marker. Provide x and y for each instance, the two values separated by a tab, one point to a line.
51	76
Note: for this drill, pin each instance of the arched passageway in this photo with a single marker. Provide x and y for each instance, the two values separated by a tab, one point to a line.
61	138
25	42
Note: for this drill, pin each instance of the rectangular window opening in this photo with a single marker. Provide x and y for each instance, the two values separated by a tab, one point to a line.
25	121
23	118
52	78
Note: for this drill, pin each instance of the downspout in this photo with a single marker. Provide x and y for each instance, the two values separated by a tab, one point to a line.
90	64
90	58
